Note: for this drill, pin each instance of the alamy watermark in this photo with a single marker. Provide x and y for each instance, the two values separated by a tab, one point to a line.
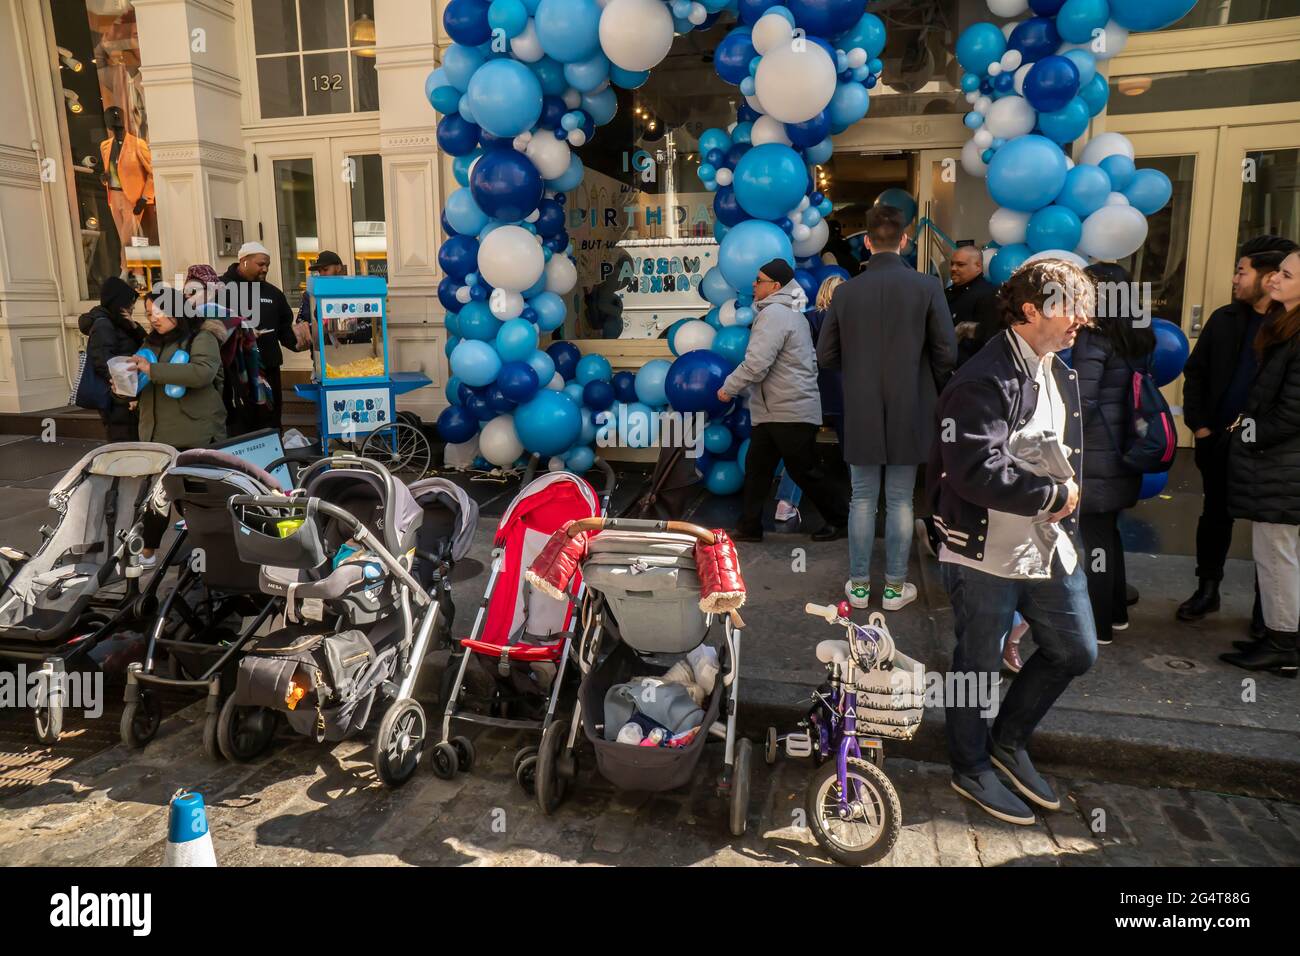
661	429
1130	301
77	690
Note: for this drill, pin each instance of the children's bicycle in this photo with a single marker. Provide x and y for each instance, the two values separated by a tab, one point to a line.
852	807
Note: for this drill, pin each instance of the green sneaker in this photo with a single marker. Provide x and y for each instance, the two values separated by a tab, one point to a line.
857	593
898	596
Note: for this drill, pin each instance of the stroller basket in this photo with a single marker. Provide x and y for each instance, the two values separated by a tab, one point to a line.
258	533
891	699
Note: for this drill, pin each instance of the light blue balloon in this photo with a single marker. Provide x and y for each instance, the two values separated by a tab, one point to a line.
579	459
543	365
517	339
770	180
1076	19
714	287
601	106
1084	62
973	120
569	30
460	62
1053	227
627	79
1120	169
901	200
731	342
465	108
1085	190
725	478
463	213
980	45
587	75
650	382
868	33
749	245
550	310
1007	260
1026	173
506	97
717	438
820	152
1066	124
574	391
1095	93
475	363
461	164
570	178
509	16
849	103
741	132
714	138
1148	191
741	454
593	368
476	321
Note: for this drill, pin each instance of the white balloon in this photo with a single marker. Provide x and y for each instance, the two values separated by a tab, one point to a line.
462	294
1008	8
556	383
699	13
526	46
973	97
1113	232
511	258
551	156
636	34
817	236
1007	227
555	464
727	312
506	305
572	98
1071	257
768	129
983	138
994	68
577	137
1103	145
693	335
1019	81
1113	42
800	232
795	85
755	104
988	255
1011	60
499	443
561	275
724	177
770	31
1010	117
1117	199
983	104
855	58
972	161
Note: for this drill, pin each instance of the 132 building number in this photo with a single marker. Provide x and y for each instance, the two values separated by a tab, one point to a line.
327	82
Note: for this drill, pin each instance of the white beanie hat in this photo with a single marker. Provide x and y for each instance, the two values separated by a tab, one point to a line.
253	249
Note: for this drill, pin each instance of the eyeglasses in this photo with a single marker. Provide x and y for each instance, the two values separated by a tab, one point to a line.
759	280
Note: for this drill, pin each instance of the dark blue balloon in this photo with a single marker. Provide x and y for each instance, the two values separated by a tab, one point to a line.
746	113
479	293
498	399
447	287
458	256
810	132
495	142
787	225
557	243
550	218
565	355
825	18
736	152
624	386
732	56
517	381
808	282
727	208
751	10
715	157
467	22
598	395
1004	83
480	407
553	110
1035	38
1051	83
463	392
986	86
505	184
457	136
693	381
1046	8
739	423
457	424
446	226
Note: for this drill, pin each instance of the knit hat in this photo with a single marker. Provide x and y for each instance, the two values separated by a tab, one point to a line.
253	249
115	295
780	270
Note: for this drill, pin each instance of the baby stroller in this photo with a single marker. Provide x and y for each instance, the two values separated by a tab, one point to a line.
643	592
217	604
520	642
83	584
357	623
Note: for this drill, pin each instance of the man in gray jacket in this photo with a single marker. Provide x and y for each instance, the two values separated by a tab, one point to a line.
780	371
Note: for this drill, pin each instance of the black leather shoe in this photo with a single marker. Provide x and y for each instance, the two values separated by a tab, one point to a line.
1203	602
830	532
1131	595
746	536
1257	629
1276	653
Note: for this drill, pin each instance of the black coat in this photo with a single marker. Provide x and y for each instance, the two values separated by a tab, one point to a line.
1212	364
109	335
890	333
275	318
1264	467
975	302
1105	383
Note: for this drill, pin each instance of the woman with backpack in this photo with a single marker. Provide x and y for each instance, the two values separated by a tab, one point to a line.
1264	478
1106	357
112	332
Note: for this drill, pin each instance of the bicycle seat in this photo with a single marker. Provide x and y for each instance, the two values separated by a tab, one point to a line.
833	652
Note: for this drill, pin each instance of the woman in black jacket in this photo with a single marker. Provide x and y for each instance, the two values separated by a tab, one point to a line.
113	332
1264	478
1105	357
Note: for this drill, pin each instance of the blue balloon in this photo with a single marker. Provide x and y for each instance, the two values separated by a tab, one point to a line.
693	381
738	421
1026	173
1051	83
751	10
1053	227
517	381
475	363
627	79
460	62
1096	92
574	391
747	247
601	105
650	380
498	400
505	97
899	199
548	423
543	365
517	339
587	75
466	21
458	256
447	287
1084	62
509	16
849	103
727	207
819	152
714	138
568	30
638	425
1066	124
579	459
714	287
452	388
1035	38
456	424
732	57
1171	352
1120	169
457	135
591	368
506	185
476	321
569	179
807	281
725	478
463	213
979	45
1076	19
1007	260
550	218
810	132
770	180
825	18
445	99
461	164
1045	8
624	386
1149	14
1085	190
730	343
717	438
868	33
550	310
567	358
1148	191
550	73
1153	484
598	395
741	454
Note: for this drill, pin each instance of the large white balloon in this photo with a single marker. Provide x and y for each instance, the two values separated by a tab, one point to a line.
1008	8
551	156
1007	227
506	305
795	85
1103	145
1113	232
499	443
1010	117
768	129
636	34
526	46
561	274
693	335
817	236
511	258
972	160
770	31
1071	257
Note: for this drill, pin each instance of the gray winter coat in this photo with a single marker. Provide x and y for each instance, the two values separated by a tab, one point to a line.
780	366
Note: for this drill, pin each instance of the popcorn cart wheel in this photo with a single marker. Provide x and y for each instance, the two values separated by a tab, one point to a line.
402	448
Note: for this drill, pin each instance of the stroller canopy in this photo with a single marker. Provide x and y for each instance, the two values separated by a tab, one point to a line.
440	497
366	490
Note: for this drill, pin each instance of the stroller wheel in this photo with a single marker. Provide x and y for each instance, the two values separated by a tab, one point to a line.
48	722
211	746
464	753
526	772
551	786
522	754
400	742
863	828
771	753
243	733
141	719
740	786
444	760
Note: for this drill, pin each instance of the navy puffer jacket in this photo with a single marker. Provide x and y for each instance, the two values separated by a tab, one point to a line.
1105	384
1264	471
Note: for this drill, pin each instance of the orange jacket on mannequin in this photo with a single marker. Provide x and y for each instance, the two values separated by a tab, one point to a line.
134	167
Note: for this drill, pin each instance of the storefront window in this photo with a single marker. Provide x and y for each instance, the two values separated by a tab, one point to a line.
369	231
295	211
1162	260
97	53
1270	195
1256	84
315	57
1218	13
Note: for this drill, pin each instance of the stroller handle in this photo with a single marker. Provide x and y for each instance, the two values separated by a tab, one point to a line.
601	465
641	524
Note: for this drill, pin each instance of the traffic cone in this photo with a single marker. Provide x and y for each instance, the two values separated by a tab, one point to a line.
188	841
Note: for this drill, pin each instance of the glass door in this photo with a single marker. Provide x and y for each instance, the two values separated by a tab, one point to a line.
358	197
297	210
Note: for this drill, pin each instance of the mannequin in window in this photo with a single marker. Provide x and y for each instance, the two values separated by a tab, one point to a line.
127	175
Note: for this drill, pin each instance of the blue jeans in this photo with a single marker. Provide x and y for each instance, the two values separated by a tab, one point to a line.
983	606
788	490
899	482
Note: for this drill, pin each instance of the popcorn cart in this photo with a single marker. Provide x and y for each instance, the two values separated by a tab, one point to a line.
354	390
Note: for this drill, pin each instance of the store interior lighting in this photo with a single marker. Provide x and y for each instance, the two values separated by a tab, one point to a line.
74	102
363	36
68	60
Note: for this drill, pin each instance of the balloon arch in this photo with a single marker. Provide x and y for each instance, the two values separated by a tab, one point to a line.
527	82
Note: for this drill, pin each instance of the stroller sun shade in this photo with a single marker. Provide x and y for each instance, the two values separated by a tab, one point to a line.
385	507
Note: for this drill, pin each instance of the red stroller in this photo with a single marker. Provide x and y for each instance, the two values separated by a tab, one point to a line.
512	667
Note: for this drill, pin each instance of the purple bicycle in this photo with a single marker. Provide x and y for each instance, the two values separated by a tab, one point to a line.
852	807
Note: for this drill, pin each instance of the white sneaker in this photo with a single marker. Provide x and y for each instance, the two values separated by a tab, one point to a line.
897	598
786	511
859	594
